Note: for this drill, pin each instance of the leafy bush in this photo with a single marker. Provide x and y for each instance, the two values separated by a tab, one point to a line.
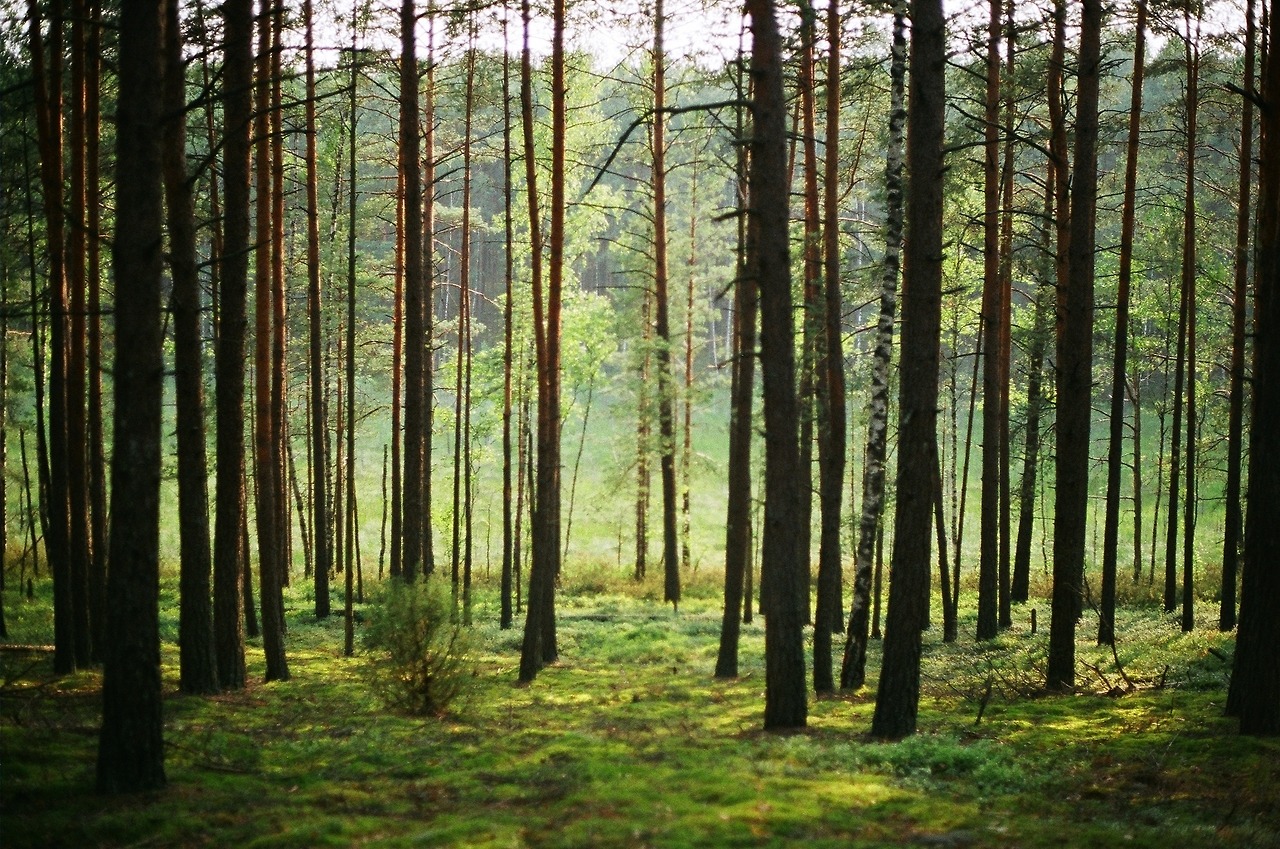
417	653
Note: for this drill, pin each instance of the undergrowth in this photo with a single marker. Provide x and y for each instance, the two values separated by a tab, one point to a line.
629	741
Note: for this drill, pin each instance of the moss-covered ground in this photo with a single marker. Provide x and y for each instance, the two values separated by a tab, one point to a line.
629	741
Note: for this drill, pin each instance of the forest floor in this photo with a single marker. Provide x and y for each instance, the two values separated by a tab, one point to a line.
629	741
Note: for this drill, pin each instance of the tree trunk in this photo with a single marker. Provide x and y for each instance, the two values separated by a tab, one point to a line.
898	696
315	353
737	547
853	668
1254	696
831	392
1004	596
349	425
197	658
86	618
96	442
229	556
784	569
1190	277
662	323
508	331
1115	445
1235	426
53	451
643	476
1175	457
1020	585
1075	360
279	425
993	317
414	521
270	567
131	742
539	645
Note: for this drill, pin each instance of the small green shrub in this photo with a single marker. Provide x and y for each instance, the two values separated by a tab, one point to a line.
417	654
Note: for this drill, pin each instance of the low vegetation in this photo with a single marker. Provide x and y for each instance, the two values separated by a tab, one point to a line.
629	741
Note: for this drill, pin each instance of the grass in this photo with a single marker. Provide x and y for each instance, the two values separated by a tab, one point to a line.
629	741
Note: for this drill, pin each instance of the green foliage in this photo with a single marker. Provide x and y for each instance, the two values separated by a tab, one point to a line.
927	759
418	656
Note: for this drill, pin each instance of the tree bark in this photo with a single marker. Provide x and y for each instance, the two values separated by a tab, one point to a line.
315	352
898	696
417	293
270	567
993	317
1075	359
783	564
1254	696
86	618
505	616
1234	519
1020	585
539	645
662	322
737	565
1190	275
831	394
53	449
348	452
131	742
197	659
1115	445
853	668
229	556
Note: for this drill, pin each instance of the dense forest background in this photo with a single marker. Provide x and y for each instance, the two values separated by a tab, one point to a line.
478	293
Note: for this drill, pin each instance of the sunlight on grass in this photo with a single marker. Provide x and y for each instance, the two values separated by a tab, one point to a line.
629	741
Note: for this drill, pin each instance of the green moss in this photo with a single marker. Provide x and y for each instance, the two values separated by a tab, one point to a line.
629	741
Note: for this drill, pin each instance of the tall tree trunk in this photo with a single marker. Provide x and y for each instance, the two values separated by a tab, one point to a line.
279	426
831	393
462	545
53	463
898	696
686	451
508	332
737	548
662	322
229	556
1235	426
539	646
950	613
1190	277
811	293
1075	361
643	427
77	471
784	569
95	440
993	317
853	669
270	566
1175	458
1020	585
131	742
315	353
349	451
1254	696
1115	445
1004	596
414	522
197	658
